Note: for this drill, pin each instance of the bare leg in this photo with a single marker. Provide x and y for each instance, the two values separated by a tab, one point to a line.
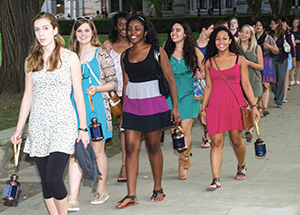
239	148
62	206
266	95
251	129
102	164
286	82
132	146
216	154
206	137
75	175
152	140
51	206
298	71
292	73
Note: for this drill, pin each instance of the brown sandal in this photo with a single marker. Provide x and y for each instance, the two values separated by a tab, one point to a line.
215	184
122	175
132	202
154	195
241	172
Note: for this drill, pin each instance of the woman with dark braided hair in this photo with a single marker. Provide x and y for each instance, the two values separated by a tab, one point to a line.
184	57
221	111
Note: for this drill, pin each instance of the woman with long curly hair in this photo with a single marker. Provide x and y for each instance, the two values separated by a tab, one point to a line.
116	44
145	109
184	57
221	111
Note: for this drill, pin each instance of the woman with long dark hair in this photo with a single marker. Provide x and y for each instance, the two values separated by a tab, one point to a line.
280	60
221	111
116	44
184	57
145	109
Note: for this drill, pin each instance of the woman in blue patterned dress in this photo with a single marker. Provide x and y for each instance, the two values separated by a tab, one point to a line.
50	73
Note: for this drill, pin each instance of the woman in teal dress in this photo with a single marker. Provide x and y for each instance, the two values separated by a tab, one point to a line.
98	78
184	57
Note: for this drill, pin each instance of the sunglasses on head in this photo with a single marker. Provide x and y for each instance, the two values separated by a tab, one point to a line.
83	17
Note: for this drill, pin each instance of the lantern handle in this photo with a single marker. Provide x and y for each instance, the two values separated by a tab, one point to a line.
91	113
16	153
257	128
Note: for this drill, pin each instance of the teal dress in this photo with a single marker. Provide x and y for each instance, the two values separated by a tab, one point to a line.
99	110
188	106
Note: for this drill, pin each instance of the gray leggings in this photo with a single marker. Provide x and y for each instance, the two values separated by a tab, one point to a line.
278	88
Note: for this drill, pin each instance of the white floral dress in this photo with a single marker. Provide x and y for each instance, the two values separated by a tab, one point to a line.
52	123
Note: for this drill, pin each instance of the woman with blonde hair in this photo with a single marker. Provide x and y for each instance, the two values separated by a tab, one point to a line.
51	72
254	59
98	77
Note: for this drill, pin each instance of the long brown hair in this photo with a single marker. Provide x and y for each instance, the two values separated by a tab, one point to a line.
279	29
35	61
293	29
74	44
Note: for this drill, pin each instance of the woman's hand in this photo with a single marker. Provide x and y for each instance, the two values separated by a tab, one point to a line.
16	137
203	118
175	116
256	114
199	74
91	90
84	137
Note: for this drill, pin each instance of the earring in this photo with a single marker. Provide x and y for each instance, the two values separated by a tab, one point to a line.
55	37
76	41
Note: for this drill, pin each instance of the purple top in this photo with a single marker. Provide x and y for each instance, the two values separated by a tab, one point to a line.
279	42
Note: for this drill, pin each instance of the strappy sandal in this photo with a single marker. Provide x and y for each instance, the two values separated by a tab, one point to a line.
207	142
241	172
155	193
132	202
215	184
122	175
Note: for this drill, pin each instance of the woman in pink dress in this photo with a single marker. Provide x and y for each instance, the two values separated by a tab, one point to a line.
221	111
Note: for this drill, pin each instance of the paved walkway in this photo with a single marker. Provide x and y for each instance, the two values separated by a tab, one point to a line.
271	187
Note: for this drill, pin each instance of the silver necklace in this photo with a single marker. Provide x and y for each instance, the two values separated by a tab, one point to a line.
85	62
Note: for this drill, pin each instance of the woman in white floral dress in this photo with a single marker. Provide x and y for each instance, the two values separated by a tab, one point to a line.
50	73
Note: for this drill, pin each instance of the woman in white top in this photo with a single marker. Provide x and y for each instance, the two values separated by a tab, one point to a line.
115	45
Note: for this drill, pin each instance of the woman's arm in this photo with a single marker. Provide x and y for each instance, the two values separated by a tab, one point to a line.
260	61
125	82
199	58
107	44
25	108
78	96
207	91
168	72
247	87
273	48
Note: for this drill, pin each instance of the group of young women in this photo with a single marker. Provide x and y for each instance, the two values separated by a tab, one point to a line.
60	84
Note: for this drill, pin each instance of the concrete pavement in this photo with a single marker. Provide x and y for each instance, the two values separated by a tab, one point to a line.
271	187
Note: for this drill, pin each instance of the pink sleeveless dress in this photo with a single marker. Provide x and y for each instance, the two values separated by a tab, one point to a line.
223	112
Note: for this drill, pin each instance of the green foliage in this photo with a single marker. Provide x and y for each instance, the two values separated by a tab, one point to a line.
65	26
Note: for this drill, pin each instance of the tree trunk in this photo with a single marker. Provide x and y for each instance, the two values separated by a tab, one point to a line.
279	7
17	37
158	12
133	6
254	8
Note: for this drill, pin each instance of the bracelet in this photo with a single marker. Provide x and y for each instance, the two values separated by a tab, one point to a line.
83	129
202	112
254	106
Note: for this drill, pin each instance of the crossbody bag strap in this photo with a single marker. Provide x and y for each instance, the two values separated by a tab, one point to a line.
98	81
227	82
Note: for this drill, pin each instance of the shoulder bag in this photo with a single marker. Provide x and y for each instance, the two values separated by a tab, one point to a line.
198	87
286	45
162	81
114	101
247	113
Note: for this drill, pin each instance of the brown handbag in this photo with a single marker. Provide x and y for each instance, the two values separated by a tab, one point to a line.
115	104
247	113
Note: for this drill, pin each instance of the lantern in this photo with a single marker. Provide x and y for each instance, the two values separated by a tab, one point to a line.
259	145
96	130
178	139
12	188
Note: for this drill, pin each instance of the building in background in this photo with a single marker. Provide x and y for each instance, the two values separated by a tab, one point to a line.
170	7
